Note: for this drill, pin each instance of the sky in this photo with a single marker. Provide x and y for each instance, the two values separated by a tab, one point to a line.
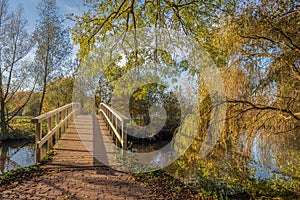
65	7
30	13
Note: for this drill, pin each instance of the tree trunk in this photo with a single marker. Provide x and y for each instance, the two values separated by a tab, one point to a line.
44	80
43	96
3	158
3	124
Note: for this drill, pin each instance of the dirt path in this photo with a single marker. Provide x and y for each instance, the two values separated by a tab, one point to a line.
98	183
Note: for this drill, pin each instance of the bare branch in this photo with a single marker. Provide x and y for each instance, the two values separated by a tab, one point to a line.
265	107
111	16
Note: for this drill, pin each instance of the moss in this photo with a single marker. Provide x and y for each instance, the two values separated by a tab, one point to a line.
19	174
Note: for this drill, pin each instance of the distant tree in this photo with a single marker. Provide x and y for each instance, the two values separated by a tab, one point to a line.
32	107
59	93
103	92
15	44
53	44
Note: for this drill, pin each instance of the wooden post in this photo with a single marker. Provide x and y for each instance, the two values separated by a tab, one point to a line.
67	114
63	117
71	117
50	141
124	135
56	123
109	118
38	136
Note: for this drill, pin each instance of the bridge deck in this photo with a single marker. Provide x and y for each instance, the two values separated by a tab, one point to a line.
83	144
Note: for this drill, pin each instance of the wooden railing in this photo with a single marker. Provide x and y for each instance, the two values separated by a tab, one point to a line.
116	123
50	126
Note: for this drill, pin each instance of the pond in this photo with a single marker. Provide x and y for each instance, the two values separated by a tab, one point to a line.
16	154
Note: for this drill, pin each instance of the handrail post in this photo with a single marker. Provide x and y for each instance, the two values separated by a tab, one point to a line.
50	142
38	136
124	134
56	123
119	143
62	119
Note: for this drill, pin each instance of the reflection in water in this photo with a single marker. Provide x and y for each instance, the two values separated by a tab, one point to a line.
160	158
272	153
15	154
266	156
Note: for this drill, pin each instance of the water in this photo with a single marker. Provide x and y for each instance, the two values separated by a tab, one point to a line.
16	154
268	156
275	154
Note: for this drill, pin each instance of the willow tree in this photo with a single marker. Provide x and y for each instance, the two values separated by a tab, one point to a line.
53	44
198	19
262	90
267	56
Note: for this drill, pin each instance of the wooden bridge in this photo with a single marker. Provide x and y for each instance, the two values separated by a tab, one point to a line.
80	140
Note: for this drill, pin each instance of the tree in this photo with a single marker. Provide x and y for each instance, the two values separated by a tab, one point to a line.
15	44
53	44
32	107
59	93
108	17
267	56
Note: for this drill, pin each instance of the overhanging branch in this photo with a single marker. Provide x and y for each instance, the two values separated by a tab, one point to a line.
265	107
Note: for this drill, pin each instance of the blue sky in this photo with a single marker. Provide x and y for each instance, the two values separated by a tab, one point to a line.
65	7
30	13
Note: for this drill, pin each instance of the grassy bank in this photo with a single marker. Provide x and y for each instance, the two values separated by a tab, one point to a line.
22	129
163	184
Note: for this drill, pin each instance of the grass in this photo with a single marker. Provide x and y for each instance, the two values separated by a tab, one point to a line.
23	129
